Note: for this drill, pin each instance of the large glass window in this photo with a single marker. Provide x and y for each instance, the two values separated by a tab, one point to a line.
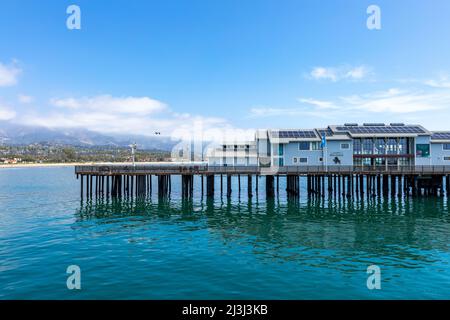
357	146
380	161
446	146
367	146
392	146
422	150
304	146
404	161
403	146
380	146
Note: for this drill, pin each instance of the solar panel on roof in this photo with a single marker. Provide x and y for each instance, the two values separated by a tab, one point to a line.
296	134
440	136
382	129
325	132
373	124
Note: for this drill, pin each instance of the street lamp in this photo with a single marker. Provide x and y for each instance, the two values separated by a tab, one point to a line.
133	153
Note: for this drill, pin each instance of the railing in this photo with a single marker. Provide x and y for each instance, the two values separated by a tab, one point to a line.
203	168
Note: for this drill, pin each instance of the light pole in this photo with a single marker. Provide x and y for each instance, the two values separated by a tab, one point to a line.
133	153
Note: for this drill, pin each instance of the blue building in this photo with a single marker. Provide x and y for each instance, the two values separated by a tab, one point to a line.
370	144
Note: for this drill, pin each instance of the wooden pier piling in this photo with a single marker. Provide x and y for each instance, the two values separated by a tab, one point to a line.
117	181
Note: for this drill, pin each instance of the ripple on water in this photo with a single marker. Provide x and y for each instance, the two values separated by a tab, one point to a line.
306	249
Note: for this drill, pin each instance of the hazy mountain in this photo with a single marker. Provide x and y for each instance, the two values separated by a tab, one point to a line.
16	134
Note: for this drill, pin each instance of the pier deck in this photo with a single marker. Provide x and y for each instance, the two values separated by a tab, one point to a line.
182	169
350	181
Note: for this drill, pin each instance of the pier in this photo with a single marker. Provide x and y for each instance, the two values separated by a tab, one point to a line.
127	180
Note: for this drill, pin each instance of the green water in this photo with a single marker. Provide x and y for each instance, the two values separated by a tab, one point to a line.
220	249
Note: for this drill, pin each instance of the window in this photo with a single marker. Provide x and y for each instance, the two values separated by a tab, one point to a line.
403	146
320	159
422	150
345	146
304	145
392	146
446	146
380	146
357	146
303	160
446	158
280	149
294	160
316	145
367	146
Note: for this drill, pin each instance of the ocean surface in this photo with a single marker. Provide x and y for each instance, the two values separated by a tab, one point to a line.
220	249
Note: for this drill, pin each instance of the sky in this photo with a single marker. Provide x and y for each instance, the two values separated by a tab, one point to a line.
231	66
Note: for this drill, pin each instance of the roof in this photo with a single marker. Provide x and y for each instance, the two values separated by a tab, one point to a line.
381	130
440	137
349	131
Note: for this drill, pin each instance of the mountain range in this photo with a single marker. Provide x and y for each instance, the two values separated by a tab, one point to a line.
17	134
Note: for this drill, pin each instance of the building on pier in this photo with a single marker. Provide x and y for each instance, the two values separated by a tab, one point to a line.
348	160
440	148
233	154
370	144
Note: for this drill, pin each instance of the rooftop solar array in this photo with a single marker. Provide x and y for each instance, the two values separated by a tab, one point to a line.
440	136
373	124
297	134
381	129
325	132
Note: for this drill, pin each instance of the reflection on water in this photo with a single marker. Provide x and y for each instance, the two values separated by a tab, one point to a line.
316	248
401	231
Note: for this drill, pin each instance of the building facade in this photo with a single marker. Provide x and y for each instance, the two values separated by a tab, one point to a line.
369	144
233	154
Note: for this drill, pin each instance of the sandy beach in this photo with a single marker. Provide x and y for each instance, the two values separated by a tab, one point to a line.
71	164
39	165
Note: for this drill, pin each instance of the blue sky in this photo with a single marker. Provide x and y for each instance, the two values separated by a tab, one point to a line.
145	66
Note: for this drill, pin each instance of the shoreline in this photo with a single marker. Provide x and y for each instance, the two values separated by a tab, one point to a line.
37	165
68	164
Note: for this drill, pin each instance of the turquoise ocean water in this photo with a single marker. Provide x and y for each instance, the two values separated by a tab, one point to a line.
215	249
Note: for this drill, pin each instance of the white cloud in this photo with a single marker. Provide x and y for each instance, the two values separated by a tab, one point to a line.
8	74
335	74
139	106
6	113
397	101
130	115
357	73
387	103
25	99
324	73
319	104
442	82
